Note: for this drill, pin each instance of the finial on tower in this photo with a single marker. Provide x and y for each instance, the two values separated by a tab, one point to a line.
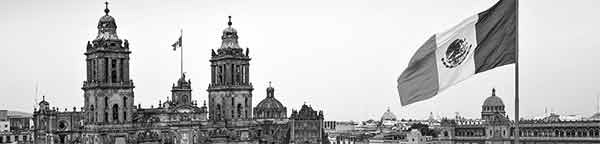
43	98
269	83
493	91
106	10
229	23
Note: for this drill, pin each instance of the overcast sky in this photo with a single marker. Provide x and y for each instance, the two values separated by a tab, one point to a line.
340	56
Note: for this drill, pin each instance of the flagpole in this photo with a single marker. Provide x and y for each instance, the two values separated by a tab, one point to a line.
517	134
181	49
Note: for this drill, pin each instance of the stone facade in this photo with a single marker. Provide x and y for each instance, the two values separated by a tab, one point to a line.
494	127
109	114
306	126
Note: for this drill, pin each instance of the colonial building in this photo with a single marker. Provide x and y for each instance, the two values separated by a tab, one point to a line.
495	127
15	127
306	126
109	114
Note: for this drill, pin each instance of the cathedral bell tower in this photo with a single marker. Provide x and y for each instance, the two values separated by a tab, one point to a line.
108	91
230	90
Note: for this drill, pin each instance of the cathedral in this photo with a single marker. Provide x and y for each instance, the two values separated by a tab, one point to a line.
109	114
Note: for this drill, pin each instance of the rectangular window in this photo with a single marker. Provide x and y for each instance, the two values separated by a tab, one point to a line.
122	69
94	69
114	70
232	76
106	69
238	74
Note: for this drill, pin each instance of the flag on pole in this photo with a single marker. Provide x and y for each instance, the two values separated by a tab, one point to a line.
477	44
178	43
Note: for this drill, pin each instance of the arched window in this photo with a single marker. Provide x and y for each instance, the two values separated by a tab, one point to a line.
115	112
239	110
185	99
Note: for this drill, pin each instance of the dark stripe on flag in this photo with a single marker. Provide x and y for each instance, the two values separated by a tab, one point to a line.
496	36
420	79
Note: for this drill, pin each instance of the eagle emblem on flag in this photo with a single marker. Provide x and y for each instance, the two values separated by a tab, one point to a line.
456	53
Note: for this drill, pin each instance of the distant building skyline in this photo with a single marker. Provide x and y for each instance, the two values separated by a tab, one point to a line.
340	56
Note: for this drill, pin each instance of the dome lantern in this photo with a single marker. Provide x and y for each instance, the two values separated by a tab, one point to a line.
230	37
107	27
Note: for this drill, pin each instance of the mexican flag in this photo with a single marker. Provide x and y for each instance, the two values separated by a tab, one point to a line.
477	44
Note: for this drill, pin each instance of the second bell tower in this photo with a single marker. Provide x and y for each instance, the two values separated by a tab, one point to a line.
230	90
108	91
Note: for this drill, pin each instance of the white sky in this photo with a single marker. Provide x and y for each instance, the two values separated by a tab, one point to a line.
341	56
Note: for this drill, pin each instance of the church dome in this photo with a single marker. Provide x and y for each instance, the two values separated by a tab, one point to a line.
270	107
106	18
493	100
388	115
270	103
44	102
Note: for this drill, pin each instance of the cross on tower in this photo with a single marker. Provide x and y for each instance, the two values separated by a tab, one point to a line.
229	23
106	10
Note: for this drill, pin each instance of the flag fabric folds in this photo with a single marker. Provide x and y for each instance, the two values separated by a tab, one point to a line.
477	44
178	43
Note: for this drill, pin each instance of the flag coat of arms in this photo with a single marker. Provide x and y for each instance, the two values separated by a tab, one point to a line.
477	44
